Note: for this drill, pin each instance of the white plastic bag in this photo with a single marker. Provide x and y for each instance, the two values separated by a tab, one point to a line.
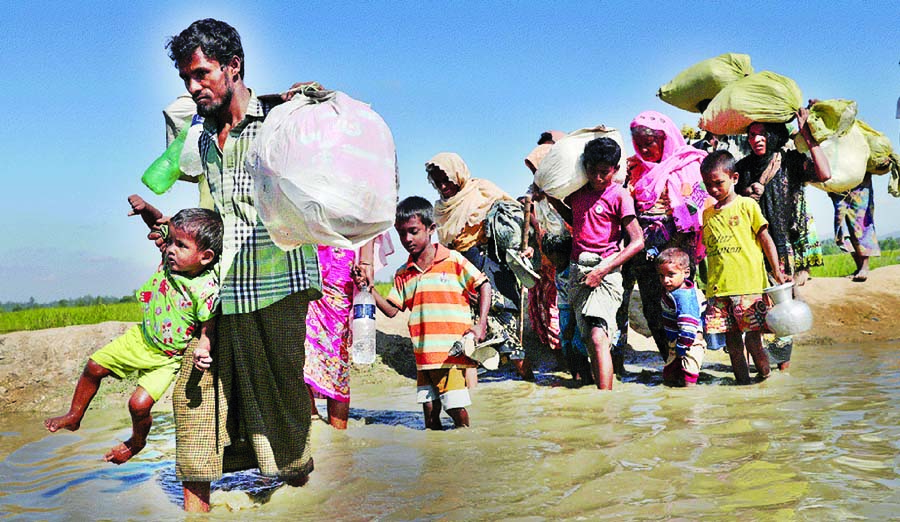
562	173
847	157
324	171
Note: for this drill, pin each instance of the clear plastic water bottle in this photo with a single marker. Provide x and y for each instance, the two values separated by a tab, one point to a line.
362	351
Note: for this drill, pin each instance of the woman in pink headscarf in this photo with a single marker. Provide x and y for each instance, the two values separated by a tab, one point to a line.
664	178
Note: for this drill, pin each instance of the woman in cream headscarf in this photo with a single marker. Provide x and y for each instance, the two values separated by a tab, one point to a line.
460	215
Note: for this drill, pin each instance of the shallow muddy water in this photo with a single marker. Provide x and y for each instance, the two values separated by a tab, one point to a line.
820	443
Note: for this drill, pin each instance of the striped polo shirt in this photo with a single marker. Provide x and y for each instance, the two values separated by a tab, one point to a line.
438	300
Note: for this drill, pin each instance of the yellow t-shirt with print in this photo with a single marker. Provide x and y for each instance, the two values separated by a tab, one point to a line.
734	258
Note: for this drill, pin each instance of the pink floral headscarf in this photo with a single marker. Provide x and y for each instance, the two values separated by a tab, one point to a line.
678	169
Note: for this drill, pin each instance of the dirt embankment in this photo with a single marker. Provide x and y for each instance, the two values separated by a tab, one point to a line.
38	370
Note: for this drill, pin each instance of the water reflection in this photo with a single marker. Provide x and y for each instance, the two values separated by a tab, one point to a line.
820	443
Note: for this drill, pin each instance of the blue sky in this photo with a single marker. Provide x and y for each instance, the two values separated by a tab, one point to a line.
86	82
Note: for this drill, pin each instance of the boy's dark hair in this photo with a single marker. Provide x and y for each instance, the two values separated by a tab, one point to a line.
216	39
674	255
546	137
777	135
718	160
204	225
600	151
415	206
557	244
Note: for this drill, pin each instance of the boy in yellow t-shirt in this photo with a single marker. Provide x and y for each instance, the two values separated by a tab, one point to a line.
736	238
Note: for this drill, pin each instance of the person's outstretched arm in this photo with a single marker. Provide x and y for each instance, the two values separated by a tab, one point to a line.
384	305
821	170
361	279
150	214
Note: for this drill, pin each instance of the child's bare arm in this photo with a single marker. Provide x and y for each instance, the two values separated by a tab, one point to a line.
635	245
768	248
484	306
386	307
201	355
150	214
361	279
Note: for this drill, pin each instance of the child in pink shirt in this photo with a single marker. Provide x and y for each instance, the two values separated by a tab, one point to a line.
601	214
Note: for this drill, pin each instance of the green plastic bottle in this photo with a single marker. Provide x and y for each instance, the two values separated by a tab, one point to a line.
164	172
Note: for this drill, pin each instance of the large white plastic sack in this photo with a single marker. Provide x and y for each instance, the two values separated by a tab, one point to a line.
561	171
324	171
847	157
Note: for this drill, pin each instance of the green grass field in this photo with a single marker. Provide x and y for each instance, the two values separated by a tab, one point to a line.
41	318
840	265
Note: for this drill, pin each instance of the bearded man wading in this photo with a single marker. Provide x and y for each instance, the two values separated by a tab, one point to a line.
258	360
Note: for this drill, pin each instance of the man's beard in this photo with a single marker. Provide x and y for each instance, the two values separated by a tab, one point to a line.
214	109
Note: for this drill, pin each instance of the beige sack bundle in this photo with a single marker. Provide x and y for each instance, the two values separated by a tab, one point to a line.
561	172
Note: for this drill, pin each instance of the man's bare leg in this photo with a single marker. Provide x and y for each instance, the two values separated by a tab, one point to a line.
196	496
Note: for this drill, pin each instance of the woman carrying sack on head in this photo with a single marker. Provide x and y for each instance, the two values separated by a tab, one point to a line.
776	178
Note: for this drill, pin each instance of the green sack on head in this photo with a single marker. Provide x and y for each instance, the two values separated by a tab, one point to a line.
703	81
881	153
765	97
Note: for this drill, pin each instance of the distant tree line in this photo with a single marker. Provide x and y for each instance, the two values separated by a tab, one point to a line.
828	248
87	300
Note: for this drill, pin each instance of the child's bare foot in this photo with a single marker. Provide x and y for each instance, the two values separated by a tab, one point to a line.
122	452
784	366
63	422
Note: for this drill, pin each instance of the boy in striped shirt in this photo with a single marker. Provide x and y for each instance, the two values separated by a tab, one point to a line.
681	319
436	285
